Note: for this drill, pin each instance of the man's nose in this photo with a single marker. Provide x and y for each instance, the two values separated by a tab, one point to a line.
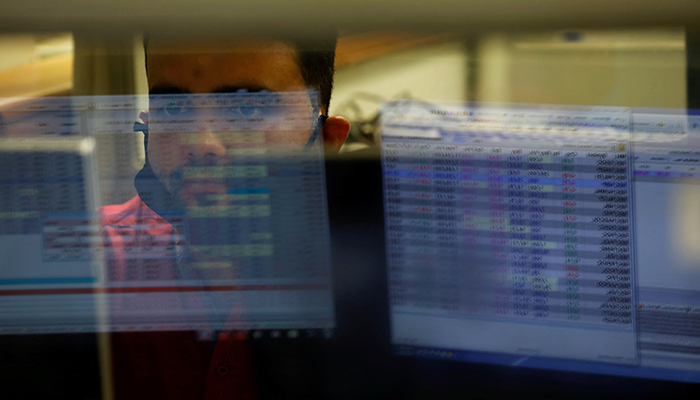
205	148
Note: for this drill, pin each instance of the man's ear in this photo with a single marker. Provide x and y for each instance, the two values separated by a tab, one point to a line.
335	130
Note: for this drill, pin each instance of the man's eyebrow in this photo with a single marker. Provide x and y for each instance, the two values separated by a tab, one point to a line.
235	89
156	90
167	90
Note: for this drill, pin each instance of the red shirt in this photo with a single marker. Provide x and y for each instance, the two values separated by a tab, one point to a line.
174	364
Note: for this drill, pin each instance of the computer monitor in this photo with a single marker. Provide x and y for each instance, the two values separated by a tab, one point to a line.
530	235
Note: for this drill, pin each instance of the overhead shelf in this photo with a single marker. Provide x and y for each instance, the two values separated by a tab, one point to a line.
309	17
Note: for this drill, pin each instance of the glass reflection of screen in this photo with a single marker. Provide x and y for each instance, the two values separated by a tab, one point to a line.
236	240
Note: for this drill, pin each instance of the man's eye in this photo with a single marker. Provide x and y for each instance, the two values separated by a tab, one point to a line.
173	109
246	111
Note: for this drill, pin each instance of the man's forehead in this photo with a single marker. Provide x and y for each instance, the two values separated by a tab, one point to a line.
203	66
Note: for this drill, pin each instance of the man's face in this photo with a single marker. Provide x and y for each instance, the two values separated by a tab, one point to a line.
216	68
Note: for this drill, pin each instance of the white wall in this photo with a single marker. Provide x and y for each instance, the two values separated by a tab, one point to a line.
640	68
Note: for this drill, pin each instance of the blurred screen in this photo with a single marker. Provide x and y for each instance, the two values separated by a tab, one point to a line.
223	238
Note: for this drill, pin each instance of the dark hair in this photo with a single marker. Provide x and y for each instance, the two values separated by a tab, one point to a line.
317	69
316	61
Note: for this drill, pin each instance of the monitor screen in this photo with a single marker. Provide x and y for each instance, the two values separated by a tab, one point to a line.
528	235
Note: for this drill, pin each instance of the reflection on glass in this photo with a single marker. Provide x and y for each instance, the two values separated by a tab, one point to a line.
557	237
235	236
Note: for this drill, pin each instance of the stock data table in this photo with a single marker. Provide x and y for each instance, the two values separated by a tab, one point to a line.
511	220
